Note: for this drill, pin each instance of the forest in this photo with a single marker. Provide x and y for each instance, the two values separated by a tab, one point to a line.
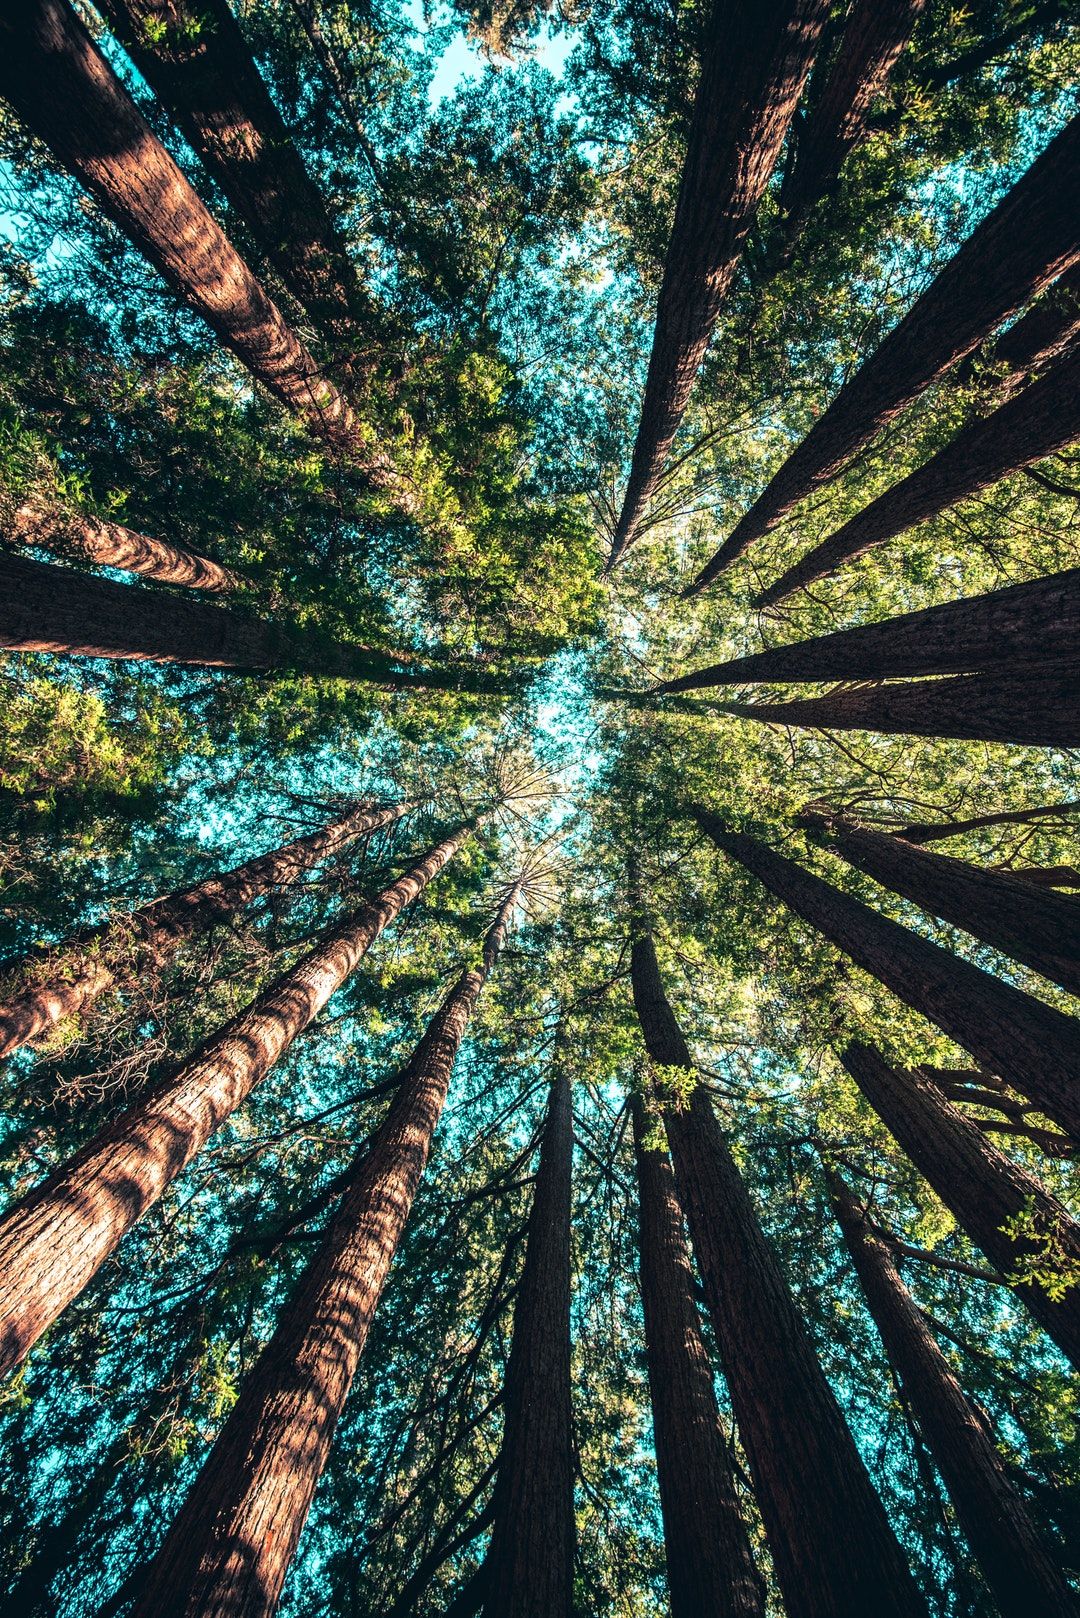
539	808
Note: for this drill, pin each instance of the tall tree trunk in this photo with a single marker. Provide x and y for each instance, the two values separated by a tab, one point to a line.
710	1566
757	54
1004	1210
229	1549
1020	247
1035	1046
1024	1578
59	610
109	544
1022	920
1043	335
66	93
195	59
834	1553
937	831
529	1568
1028	625
874	35
1032	710
1043	418
55	1240
48	985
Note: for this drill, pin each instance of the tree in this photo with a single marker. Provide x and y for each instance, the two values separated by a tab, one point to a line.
938	831
55	1240
110	544
1041	336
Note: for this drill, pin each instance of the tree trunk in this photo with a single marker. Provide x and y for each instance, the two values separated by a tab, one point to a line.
1043	335
1021	246
48	985
981	1187
1032	710
195	59
229	1549
710	1566
1043	418
59	610
529	1568
834	1553
874	36
937	831
1023	1576
1038	928
108	544
1036	1046
55	1240
1029	625
757	55
63	89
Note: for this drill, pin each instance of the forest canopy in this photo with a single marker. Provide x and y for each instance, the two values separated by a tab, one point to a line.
539	804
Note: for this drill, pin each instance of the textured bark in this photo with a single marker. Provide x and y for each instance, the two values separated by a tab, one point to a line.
109	544
1044	418
710	1566
1039	928
874	36
55	1240
1030	238
529	1568
1024	1578
195	59
63	89
1023	626
937	831
229	1549
1033	710
59	610
45	987
757	55
980	1186
1007	1031
834	1553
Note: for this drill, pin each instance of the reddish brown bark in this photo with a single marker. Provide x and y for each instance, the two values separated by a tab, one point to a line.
757	55
109	544
937	831
1033	710
63	89
1030	238
1023	626
529	1568
1009	1032
1022	1574
229	1549
1040	928
1043	418
55	1240
981	1187
710	1566
49	985
56	609
834	1553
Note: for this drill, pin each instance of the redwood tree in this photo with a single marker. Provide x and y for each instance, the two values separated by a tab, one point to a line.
109	544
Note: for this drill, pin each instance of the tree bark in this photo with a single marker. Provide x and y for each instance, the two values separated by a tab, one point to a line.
1036	710
55	1240
981	1187
1039	928
1042	335
62	611
757	55
1022	245
109	544
1036	1046
195	59
710	1566
63	89
529	1568
1022	1574
937	831
1030	625
229	1549
48	985
834	1553
1043	418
